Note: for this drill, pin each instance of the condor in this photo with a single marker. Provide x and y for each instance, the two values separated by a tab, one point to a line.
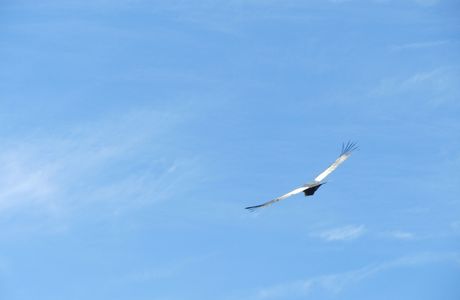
310	188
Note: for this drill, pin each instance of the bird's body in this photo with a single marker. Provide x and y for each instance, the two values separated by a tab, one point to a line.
310	188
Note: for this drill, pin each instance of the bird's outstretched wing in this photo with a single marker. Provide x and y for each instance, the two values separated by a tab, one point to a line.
347	149
291	193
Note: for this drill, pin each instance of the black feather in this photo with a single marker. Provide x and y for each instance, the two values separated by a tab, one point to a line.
348	147
253	208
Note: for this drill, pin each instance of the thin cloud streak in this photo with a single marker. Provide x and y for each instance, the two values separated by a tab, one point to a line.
344	233
336	283
24	181
94	163
420	45
435	87
401	235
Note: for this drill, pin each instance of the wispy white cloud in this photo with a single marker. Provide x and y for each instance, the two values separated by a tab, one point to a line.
336	283
401	235
118	161
23	180
435	87
345	233
420	45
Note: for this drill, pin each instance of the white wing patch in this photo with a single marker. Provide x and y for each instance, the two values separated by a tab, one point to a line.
291	193
347	149
332	167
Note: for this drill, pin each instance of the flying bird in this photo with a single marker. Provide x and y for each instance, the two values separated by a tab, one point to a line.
310	188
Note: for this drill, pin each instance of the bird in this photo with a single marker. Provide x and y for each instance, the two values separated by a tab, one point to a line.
310	188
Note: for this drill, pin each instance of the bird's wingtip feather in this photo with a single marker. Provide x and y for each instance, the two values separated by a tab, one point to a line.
349	147
253	208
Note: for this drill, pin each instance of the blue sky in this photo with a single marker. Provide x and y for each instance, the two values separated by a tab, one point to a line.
135	132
